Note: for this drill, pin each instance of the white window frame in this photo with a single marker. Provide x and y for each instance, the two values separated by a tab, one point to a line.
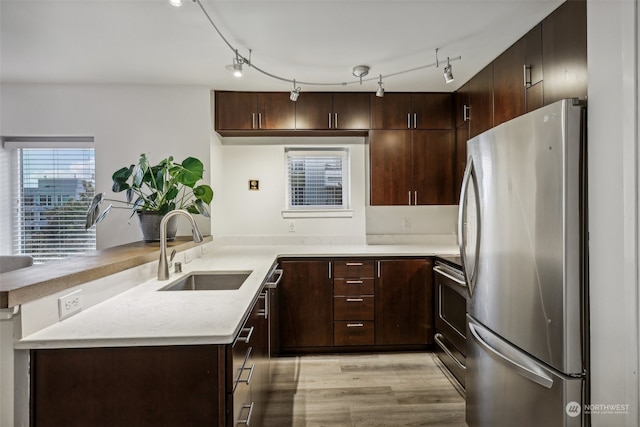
344	211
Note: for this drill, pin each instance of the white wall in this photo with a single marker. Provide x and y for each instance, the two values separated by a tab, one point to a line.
125	120
613	206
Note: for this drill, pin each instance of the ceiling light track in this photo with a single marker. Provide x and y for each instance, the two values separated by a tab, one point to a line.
358	71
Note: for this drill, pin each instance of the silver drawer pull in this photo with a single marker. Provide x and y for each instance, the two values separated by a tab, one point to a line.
355	325
355	300
438	338
354	264
248	380
246	338
354	282
247	420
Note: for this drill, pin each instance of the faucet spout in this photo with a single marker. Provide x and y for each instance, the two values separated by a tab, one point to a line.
163	265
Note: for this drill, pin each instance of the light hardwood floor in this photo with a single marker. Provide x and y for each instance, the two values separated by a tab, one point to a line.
385	389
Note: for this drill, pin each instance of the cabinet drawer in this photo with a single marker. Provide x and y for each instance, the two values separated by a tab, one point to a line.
353	286
359	269
353	333
353	308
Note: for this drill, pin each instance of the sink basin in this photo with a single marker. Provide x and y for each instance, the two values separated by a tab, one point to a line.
209	281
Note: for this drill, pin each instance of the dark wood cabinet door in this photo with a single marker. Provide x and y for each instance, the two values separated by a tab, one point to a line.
433	156
305	304
393	111
462	136
481	101
461	105
564	52
390	157
509	83
404	302
351	111
314	110
533	53
432	110
276	111
236	110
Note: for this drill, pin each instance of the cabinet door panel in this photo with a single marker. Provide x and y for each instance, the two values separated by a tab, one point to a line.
433	154
313	110
391	111
564	51
351	111
276	111
508	83
535	96
390	153
481	101
305	305
432	110
462	136
236	110
533	53
461	100
404	299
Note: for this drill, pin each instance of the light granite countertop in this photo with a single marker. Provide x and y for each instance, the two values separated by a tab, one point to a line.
144	316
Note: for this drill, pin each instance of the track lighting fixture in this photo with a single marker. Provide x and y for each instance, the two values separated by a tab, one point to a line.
295	92
380	91
359	71
448	75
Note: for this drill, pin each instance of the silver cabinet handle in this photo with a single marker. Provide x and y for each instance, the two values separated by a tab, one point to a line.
415	197
355	325
259	120
527	75
355	300
354	264
409	197
408	120
253	120
525	368
354	282
465	113
415	121
247	420
248	379
335	120
246	338
329	120
329	264
379	269
276	271
241	369
438	338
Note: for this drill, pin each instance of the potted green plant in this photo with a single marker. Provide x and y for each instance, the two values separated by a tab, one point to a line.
153	190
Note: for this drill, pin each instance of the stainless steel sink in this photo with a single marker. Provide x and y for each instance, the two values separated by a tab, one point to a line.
209	281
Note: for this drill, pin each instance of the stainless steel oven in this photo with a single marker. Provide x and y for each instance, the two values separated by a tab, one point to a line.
451	325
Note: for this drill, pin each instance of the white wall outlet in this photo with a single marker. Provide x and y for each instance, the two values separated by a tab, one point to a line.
292	227
406	223
70	304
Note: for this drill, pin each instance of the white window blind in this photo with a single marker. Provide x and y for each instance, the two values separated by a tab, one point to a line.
53	192
317	179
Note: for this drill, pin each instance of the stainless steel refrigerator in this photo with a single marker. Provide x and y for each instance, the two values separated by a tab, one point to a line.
522	221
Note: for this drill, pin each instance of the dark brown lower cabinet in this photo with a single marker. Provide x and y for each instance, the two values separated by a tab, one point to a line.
404	302
305	317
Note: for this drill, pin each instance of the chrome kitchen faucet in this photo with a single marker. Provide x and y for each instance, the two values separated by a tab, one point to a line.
163	265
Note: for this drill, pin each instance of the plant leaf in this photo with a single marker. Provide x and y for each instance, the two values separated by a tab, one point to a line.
104	214
202	208
192	171
203	193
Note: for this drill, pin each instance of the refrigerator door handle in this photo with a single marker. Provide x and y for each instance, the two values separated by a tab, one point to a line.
523	366
468	179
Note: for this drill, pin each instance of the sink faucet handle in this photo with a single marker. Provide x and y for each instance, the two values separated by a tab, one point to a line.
173	255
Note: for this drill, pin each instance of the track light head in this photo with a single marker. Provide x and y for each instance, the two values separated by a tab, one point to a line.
448	74
295	92
380	91
237	69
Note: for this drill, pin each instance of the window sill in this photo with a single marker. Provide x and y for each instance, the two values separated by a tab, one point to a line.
318	213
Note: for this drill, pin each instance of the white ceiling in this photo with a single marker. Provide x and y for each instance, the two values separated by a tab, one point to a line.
152	42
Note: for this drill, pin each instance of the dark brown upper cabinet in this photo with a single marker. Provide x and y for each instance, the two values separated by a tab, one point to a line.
564	49
412	111
253	111
481	101
326	111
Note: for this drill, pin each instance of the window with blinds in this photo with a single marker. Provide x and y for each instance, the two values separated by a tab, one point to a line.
53	192
317	179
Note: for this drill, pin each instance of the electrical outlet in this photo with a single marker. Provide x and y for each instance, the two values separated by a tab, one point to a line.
292	227
70	304
406	223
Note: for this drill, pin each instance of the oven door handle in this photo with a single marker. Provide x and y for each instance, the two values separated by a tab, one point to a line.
442	271
438	338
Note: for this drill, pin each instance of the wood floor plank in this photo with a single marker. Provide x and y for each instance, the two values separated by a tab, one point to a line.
354	390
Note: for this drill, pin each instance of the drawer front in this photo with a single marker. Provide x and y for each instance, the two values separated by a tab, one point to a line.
353	286
353	333
242	405
356	269
353	308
